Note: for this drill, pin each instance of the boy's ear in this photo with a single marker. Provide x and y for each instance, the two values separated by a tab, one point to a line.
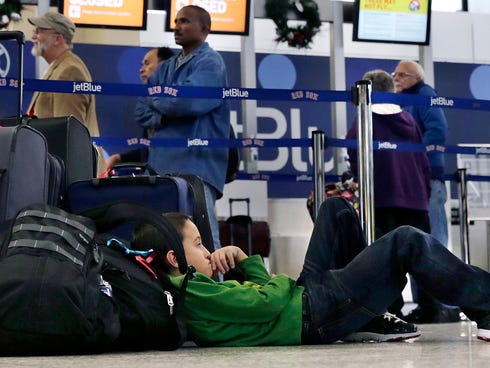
172	259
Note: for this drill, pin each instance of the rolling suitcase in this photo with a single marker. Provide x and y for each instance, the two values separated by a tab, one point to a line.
253	237
164	193
28	173
70	140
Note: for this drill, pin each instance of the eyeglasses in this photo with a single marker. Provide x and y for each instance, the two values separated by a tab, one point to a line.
43	30
403	75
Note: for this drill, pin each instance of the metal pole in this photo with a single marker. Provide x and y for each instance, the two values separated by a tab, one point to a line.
319	169
249	107
337	81
365	157
464	221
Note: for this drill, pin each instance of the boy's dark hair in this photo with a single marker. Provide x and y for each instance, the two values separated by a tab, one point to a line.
177	220
146	236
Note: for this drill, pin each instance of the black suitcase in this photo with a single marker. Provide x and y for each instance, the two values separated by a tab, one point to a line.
165	193
28	173
25	167
70	140
253	237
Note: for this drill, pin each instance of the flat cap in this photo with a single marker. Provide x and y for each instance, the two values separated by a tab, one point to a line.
57	22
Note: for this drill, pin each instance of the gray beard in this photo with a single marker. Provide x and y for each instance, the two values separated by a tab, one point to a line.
37	49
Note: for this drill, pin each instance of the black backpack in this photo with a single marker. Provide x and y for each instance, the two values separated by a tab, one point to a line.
151	307
50	285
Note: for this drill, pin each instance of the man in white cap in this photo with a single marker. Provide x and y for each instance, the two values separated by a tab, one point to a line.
52	40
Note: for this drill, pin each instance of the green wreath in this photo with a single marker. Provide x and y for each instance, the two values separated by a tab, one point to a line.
302	35
9	11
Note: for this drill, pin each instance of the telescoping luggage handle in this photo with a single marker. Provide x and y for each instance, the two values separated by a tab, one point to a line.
245	219
247	200
19	37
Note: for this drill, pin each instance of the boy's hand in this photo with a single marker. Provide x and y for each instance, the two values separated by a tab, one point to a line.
224	259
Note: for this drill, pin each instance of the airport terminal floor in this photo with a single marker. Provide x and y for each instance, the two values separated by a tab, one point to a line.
440	345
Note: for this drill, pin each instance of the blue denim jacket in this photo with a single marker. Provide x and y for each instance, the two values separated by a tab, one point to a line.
433	122
189	118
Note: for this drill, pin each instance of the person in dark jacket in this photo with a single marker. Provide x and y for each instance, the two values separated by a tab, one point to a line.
341	294
401	179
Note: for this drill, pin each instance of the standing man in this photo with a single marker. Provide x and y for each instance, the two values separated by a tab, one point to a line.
150	62
196	65
409	78
52	40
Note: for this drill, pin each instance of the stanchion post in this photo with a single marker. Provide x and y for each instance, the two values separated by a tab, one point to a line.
319	169
464	220
365	157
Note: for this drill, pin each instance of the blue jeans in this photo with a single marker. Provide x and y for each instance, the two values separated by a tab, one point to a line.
437	212
439	230
347	283
210	195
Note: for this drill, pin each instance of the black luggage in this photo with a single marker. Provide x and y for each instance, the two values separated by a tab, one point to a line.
150	306
253	237
165	193
51	300
70	140
21	181
28	173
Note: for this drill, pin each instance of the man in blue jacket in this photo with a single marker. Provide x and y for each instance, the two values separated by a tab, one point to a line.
409	78
196	120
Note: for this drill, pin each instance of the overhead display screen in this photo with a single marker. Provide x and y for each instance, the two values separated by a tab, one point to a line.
395	21
122	14
227	16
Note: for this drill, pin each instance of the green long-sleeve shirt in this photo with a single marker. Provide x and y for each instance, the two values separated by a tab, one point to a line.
263	310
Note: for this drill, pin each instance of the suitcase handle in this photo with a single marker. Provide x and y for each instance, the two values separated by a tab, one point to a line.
143	179
247	200
140	167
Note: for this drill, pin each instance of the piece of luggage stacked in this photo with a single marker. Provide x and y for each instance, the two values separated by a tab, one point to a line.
253	237
64	289
29	173
164	193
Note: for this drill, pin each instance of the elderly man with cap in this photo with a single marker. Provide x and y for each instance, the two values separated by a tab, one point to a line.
52	40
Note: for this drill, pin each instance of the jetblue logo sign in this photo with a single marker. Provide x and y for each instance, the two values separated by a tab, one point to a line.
387	146
197	142
441	101
234	92
86	87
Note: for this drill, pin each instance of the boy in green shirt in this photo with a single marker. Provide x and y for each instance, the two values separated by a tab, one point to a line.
341	294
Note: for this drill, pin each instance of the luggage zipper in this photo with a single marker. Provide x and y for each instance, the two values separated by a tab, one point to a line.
170	301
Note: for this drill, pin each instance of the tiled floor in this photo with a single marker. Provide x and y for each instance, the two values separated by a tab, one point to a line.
443	345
